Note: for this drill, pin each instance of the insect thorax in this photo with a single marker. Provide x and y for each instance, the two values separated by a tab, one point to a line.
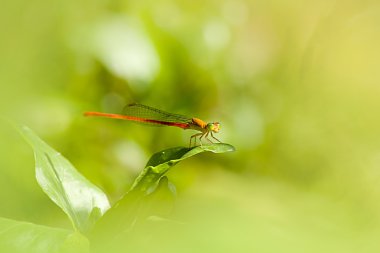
199	122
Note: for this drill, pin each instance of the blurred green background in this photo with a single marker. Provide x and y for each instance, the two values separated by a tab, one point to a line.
295	85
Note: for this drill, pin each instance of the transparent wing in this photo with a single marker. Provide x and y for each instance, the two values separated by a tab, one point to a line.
147	112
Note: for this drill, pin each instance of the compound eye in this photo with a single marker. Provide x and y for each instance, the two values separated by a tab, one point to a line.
216	127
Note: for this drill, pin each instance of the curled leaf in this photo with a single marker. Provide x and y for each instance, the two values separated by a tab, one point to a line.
162	161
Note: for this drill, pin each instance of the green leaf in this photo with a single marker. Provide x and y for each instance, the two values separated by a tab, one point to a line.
82	201
17	237
151	194
161	162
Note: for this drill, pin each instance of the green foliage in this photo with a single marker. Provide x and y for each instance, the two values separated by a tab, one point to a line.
84	203
17	237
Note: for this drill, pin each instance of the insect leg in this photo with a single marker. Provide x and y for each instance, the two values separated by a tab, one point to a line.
214	137
200	138
195	139
207	137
